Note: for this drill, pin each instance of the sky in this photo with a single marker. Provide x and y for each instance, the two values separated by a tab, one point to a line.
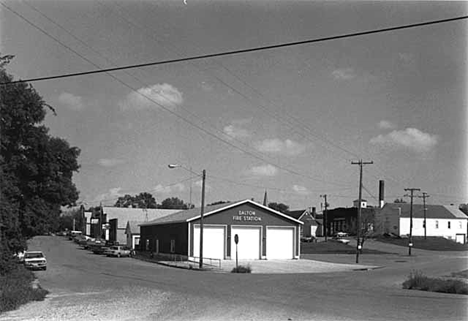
289	121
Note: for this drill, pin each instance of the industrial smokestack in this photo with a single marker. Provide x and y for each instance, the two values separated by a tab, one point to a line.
381	193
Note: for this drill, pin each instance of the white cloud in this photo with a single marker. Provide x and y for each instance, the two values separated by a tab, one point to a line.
160	189
71	101
234	131
263	170
277	146
385	124
163	94
344	73
410	138
300	189
109	197
109	162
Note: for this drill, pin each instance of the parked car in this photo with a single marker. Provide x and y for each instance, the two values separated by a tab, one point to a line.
92	242
118	251
35	260
340	240
74	234
308	239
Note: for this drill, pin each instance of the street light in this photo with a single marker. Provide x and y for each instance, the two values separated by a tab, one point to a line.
172	166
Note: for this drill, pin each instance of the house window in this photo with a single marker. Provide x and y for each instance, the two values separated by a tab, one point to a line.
437	224
448	224
460	225
147	244
172	246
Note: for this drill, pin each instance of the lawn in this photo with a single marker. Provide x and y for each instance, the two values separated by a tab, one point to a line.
431	243
332	247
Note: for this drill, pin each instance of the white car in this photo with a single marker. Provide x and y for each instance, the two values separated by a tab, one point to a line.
118	250
35	260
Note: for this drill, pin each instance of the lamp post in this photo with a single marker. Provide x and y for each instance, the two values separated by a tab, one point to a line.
172	166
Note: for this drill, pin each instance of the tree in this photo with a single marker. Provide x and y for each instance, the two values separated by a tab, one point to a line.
218	202
125	201
280	207
174	203
401	200
142	200
36	169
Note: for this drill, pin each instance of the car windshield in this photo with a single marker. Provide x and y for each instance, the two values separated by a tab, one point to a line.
33	255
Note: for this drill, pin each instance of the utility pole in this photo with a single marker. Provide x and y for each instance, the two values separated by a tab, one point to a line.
424	196
410	239
201	218
358	227
325	216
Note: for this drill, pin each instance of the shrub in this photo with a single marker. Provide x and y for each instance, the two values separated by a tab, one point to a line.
16	289
418	281
242	269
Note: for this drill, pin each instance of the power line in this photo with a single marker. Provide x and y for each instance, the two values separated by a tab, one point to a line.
237	52
185	119
162	106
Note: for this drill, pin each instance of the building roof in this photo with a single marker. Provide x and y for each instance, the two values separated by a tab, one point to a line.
133	227
432	211
296	214
194	213
124	214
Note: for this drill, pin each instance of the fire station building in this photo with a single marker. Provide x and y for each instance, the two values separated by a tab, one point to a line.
263	233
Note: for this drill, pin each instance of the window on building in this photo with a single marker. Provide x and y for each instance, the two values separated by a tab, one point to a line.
172	246
448	224
147	244
437	224
460	225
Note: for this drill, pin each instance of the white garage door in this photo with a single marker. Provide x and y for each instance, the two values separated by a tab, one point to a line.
213	242
249	243
280	243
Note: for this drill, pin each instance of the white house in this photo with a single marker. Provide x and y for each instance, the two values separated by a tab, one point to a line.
445	221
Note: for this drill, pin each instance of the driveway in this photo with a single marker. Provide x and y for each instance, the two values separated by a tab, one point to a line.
294	266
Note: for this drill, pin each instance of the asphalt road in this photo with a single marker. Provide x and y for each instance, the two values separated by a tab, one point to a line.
85	286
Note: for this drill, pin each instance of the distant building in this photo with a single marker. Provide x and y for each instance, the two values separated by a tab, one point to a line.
446	221
313	226
344	219
116	218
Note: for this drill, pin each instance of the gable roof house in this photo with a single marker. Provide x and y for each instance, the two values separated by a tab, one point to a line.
313	226
445	221
118	218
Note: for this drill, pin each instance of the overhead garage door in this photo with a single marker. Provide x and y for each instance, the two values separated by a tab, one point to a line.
280	243
249	242
213	242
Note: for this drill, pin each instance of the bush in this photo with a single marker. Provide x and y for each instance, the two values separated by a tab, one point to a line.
16	289
418	281
242	269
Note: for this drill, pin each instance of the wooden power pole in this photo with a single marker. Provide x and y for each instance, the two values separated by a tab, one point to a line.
410	239
358	225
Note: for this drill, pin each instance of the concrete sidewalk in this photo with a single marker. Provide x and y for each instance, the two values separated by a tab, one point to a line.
294	266
275	266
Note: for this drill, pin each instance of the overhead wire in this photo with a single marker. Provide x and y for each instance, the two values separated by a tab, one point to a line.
165	108
239	51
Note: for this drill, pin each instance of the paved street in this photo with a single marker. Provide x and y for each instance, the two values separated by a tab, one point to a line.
84	286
